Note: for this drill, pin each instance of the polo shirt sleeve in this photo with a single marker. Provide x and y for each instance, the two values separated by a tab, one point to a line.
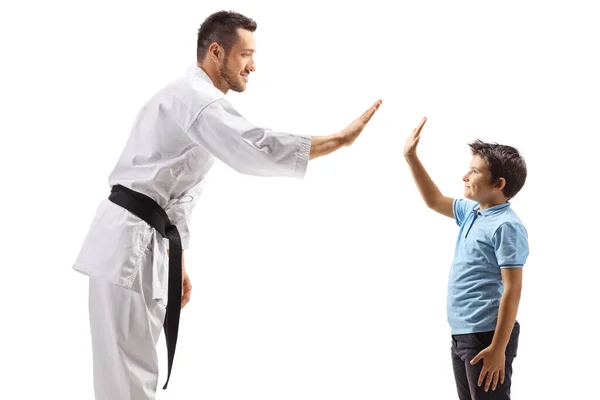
511	245
462	208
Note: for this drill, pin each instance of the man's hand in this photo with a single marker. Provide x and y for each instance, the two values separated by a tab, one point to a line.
186	285
351	132
410	147
493	366
323	145
186	289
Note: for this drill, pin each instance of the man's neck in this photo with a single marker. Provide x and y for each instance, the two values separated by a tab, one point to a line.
214	77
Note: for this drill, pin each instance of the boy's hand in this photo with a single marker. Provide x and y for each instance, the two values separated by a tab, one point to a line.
493	365
410	147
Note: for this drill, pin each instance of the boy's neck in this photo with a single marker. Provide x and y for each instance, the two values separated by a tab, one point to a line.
483	205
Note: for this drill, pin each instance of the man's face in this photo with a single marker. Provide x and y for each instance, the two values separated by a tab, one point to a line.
237	65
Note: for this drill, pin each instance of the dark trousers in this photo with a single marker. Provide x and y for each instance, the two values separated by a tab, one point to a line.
467	346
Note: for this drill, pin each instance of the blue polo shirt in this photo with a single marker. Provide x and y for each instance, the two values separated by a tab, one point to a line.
488	241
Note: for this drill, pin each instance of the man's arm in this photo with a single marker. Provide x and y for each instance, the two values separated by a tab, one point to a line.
323	145
429	191
179	210
256	151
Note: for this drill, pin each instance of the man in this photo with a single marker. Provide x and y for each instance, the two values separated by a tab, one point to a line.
155	185
484	286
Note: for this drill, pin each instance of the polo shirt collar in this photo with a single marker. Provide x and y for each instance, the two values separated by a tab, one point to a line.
491	210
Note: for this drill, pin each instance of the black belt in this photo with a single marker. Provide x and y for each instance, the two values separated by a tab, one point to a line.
148	210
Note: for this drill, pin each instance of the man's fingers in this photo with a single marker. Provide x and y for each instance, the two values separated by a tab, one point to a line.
375	106
186	289
369	113
502	376
185	298
367	117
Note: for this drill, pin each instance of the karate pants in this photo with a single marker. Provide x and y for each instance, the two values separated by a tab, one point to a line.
125	327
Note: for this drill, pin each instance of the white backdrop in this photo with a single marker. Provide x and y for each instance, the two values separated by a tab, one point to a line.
332	287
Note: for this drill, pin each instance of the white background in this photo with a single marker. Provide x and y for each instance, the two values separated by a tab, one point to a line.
332	287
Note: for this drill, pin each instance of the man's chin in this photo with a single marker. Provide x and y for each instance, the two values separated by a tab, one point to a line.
238	87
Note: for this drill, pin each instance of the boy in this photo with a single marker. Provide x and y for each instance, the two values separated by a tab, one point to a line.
485	279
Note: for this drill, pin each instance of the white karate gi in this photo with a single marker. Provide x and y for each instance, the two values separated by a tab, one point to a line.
171	147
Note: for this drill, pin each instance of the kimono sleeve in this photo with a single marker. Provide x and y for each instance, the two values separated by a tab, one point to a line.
247	148
179	211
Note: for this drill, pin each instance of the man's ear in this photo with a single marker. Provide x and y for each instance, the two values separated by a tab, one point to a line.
215	52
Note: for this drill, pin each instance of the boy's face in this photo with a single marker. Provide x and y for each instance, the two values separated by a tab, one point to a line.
477	182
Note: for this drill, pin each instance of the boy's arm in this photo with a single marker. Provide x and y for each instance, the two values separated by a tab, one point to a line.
494	356
429	191
509	305
512	249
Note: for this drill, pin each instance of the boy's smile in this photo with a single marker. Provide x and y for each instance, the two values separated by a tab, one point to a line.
478	186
